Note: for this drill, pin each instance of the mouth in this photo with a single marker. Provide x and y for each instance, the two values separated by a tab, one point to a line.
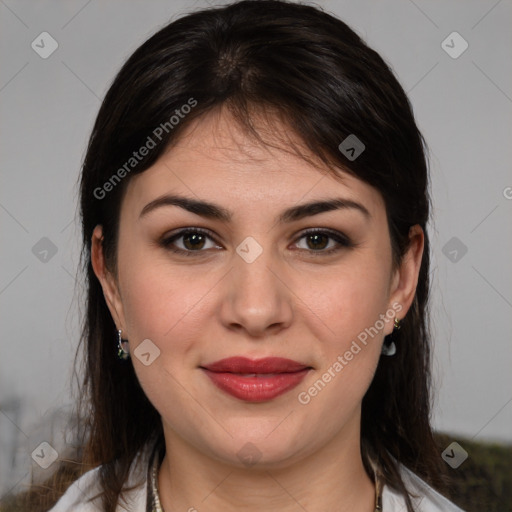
258	380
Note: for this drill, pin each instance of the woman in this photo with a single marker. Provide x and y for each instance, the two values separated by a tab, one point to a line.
254	204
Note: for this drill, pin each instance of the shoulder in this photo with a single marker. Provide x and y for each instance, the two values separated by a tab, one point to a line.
79	494
83	494
423	497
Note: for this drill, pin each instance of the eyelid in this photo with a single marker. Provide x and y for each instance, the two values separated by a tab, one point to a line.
341	240
168	239
181	231
333	233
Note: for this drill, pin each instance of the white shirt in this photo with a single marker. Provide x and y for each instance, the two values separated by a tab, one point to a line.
76	496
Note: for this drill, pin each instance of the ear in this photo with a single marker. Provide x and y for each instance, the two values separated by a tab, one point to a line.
107	280
405	278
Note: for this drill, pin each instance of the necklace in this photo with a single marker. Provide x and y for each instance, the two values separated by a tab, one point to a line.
154	505
154	499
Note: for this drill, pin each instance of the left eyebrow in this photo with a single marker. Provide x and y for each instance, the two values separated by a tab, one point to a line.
315	207
216	212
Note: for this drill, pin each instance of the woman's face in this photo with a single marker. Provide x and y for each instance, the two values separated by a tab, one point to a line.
254	284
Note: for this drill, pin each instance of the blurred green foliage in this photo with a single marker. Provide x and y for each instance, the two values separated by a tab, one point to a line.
483	482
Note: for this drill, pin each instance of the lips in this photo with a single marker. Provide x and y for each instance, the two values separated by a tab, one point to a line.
267	365
256	380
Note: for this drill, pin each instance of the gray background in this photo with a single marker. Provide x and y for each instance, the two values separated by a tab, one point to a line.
463	106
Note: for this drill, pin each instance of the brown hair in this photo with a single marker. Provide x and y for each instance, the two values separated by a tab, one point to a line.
326	84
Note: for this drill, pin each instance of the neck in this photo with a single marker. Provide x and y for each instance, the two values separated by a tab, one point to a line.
332	478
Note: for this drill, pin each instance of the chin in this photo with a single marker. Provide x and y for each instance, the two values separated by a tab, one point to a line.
259	453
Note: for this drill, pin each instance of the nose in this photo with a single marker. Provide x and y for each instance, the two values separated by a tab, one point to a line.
257	298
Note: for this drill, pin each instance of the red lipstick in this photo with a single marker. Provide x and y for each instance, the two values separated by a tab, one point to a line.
256	380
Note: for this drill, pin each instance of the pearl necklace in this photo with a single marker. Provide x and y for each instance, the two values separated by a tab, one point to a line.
155	498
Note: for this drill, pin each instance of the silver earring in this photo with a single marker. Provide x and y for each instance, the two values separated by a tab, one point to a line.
389	348
122	347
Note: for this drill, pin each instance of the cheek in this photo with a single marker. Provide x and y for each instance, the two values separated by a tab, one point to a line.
351	307
169	305
157	296
163	305
347	300
350	335
349	303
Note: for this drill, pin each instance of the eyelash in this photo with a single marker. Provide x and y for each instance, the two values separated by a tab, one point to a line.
342	240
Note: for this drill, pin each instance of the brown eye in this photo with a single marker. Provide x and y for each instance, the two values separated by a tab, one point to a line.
323	242
189	241
193	240
317	241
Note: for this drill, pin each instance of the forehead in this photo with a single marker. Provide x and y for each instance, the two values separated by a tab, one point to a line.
216	159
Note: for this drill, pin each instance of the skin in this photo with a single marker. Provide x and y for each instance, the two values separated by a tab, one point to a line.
292	301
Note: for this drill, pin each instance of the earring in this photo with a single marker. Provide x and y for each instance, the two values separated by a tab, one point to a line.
122	347
389	347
